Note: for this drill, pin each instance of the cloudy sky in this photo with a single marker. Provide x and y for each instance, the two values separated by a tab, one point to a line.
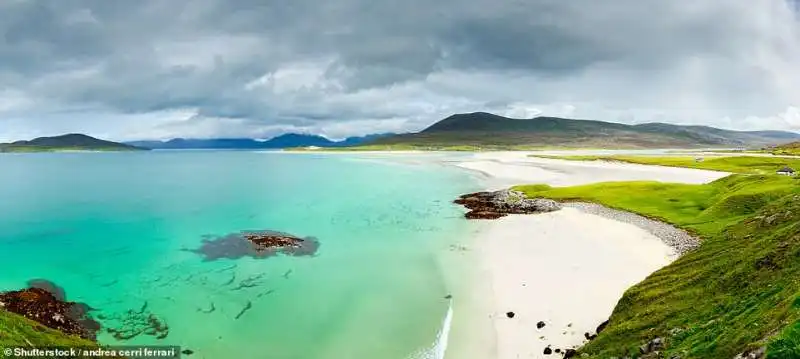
149	69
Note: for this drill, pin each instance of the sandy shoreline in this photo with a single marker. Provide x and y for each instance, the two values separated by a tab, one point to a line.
566	268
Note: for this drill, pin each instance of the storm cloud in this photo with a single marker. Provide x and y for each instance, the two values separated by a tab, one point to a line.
229	68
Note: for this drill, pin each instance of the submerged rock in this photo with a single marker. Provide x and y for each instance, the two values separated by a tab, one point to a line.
46	304
493	205
256	244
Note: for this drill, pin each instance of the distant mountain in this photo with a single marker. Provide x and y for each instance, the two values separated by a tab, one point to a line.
488	130
283	141
69	142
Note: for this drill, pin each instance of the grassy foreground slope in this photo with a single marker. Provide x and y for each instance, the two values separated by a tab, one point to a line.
18	331
735	164
740	290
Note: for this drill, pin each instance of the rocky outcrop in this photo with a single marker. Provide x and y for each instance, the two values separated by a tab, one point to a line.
493	205
46	308
266	241
754	354
256	244
652	346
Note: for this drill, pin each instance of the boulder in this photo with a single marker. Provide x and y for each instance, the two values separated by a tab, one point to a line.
651	346
601	327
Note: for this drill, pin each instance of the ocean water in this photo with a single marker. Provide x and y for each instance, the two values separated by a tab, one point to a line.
117	230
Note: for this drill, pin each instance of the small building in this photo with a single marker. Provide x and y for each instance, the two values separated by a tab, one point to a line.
786	171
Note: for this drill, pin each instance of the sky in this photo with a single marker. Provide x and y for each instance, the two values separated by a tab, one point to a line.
157	69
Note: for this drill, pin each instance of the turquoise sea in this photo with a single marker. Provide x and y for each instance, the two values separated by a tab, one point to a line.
116	231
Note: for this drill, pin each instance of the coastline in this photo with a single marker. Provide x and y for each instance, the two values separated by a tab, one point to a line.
567	268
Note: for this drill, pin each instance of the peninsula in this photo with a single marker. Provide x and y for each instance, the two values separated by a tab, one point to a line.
68	142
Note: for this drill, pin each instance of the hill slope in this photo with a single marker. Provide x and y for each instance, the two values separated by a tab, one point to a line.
792	149
737	292
69	142
488	130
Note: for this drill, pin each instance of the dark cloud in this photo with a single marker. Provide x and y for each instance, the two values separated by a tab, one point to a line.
316	65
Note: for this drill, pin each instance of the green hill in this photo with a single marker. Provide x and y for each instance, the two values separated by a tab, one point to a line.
738	292
792	149
485	130
69	142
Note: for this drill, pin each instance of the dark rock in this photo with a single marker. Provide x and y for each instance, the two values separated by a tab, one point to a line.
570	353
492	205
510	314
548	351
558	351
589	336
484	215
448	296
601	327
540	325
42	306
187	352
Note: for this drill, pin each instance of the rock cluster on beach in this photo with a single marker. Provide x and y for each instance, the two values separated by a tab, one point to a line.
493	205
45	303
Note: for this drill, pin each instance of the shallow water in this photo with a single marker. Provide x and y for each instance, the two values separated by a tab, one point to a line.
116	231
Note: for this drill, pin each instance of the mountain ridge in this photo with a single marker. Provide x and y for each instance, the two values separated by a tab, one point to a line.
285	140
66	142
484	129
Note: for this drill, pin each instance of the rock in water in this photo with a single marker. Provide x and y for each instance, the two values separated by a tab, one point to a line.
540	325
510	314
492	205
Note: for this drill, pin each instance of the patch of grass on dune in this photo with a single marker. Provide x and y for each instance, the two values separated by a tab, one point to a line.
738	291
734	164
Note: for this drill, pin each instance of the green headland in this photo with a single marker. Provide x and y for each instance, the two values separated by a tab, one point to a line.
738	292
69	142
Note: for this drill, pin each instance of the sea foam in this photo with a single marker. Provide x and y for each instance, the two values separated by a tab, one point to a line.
438	349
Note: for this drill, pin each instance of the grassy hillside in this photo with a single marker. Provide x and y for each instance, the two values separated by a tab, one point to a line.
69	142
18	331
738	291
735	164
790	149
485	130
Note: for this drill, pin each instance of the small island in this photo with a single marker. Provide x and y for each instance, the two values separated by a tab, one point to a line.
67	143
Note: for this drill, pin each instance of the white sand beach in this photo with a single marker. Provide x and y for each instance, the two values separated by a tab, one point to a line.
566	268
504	169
